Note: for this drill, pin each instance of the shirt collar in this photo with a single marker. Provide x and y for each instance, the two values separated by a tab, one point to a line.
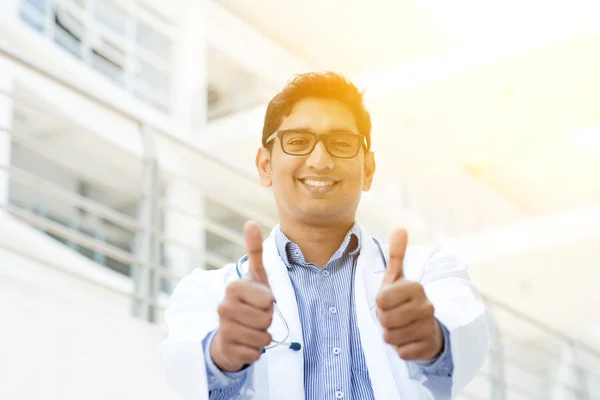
291	254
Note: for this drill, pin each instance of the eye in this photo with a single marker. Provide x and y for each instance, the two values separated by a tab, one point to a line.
340	143
297	141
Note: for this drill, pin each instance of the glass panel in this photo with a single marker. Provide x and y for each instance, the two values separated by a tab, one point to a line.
107	67
69	23
69	31
39	5
153	41
153	77
33	19
110	15
67	42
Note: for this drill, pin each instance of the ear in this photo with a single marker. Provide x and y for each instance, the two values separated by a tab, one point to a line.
263	165
369	170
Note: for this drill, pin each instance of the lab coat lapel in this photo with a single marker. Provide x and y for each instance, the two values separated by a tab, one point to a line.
389	374
285	366
369	274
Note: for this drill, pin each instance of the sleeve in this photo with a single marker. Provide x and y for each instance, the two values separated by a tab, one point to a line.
442	366
460	310
190	318
221	385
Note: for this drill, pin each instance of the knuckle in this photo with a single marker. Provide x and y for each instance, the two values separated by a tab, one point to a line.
267	339
416	288
251	355
266	298
265	302
224	309
429	309
382	301
255	355
267	320
405	353
384	319
233	288
388	336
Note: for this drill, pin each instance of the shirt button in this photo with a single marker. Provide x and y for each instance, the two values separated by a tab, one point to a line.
325	272
332	310
336	350
339	395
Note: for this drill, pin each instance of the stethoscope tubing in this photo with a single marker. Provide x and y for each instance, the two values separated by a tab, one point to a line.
296	346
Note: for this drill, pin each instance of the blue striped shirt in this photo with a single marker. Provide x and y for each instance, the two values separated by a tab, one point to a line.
334	363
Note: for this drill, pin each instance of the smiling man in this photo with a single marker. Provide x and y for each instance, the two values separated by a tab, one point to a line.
320	309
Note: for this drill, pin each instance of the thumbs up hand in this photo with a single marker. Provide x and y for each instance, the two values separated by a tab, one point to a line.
245	313
404	311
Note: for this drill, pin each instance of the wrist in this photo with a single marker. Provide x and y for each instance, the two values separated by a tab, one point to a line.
221	361
437	344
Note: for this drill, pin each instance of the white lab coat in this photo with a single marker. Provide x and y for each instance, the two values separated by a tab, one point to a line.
279	373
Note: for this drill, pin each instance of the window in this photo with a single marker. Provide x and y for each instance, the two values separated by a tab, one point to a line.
108	58
133	54
69	30
33	13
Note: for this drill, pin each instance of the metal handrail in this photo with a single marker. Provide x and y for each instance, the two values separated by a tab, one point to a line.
261	219
101	246
213	227
30	256
109	214
70	234
545	327
84	203
67	165
533	371
553	353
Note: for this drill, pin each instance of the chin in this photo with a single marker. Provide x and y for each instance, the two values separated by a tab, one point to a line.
325	213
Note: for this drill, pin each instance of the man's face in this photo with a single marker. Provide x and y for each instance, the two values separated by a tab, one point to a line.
317	187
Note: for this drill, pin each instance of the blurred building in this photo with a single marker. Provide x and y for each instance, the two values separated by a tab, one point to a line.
127	136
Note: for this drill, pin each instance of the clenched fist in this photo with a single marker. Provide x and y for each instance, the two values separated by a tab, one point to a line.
245	313
404	310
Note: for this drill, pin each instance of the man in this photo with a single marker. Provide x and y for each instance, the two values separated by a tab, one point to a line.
358	320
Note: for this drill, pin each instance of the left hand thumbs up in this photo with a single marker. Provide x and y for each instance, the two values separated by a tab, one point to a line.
405	313
397	250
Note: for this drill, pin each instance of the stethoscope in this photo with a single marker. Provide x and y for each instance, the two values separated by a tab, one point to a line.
295	346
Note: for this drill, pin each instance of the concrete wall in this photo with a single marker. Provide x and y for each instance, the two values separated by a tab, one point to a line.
66	329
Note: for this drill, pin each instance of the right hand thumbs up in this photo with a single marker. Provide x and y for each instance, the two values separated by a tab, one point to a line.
253	240
246	312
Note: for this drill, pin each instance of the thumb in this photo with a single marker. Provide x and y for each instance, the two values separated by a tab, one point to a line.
253	241
398	242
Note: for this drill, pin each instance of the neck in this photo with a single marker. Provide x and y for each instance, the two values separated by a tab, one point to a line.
317	242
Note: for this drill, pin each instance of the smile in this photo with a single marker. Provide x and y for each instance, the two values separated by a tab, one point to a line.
313	183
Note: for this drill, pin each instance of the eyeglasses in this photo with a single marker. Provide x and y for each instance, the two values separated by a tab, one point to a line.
301	143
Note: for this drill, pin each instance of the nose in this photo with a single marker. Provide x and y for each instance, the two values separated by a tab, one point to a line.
320	159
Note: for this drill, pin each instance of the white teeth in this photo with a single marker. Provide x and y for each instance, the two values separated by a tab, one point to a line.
317	183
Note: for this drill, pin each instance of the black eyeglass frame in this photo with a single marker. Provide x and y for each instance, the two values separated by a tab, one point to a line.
318	137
